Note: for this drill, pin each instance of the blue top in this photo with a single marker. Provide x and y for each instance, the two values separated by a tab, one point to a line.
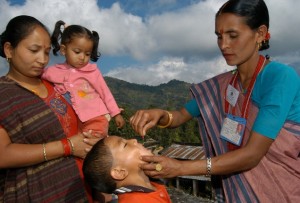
277	95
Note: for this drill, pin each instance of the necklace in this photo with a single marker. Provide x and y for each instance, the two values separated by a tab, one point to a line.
36	89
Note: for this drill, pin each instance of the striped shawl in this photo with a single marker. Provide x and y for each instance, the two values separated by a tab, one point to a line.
276	178
29	120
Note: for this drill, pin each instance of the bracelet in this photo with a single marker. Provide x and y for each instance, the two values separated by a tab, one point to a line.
208	167
72	146
44	152
66	146
170	115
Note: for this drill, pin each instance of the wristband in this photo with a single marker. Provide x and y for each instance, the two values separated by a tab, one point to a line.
72	146
44	152
170	115
208	167
66	146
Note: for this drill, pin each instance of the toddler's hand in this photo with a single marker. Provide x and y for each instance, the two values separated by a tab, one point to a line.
120	122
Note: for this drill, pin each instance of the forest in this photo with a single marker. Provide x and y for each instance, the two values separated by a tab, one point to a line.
169	96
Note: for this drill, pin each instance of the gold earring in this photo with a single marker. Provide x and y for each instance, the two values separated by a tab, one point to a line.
259	44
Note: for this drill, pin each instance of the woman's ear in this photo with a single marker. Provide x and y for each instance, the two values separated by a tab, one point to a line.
262	32
62	49
118	173
8	50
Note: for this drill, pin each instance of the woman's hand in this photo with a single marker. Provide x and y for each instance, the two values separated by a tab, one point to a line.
83	142
161	166
143	120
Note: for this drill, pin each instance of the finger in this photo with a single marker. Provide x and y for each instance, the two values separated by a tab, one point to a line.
144	123
130	119
134	120
87	134
148	126
147	167
96	136
153	174
154	159
88	141
92	141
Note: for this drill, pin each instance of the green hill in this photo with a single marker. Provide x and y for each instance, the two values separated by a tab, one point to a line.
171	95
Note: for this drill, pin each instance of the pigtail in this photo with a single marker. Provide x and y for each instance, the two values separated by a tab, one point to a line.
95	54
56	36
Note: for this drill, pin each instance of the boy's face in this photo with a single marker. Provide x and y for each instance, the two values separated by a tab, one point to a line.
126	153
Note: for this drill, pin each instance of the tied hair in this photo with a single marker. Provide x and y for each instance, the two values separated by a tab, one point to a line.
2	41
95	53
56	36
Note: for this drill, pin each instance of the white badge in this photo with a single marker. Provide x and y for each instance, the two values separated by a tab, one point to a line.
232	95
233	129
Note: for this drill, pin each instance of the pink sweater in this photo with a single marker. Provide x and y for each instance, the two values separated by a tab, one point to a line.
89	92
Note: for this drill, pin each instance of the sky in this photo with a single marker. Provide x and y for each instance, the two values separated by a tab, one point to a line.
154	41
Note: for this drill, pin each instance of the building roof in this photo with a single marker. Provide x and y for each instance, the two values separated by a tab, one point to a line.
187	152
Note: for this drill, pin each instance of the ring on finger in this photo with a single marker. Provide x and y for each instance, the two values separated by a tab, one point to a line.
158	167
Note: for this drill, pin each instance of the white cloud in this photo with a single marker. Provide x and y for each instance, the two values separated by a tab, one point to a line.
171	68
189	31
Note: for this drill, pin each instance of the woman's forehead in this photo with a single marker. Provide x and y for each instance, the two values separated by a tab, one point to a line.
227	22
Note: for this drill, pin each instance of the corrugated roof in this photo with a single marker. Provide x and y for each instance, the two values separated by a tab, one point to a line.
186	152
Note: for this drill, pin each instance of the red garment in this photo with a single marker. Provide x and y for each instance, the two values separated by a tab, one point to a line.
98	125
30	120
69	123
159	196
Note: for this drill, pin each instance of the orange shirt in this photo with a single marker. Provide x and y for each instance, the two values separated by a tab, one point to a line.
159	196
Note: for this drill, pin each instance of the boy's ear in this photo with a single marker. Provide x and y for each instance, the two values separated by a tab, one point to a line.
62	49
118	173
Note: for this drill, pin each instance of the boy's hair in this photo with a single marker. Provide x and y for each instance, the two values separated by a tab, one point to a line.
69	33
96	168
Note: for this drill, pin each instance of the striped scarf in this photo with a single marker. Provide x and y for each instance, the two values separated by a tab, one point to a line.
29	120
276	178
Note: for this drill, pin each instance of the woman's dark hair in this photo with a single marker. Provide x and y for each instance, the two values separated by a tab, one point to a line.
17	29
71	32
255	13
96	168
